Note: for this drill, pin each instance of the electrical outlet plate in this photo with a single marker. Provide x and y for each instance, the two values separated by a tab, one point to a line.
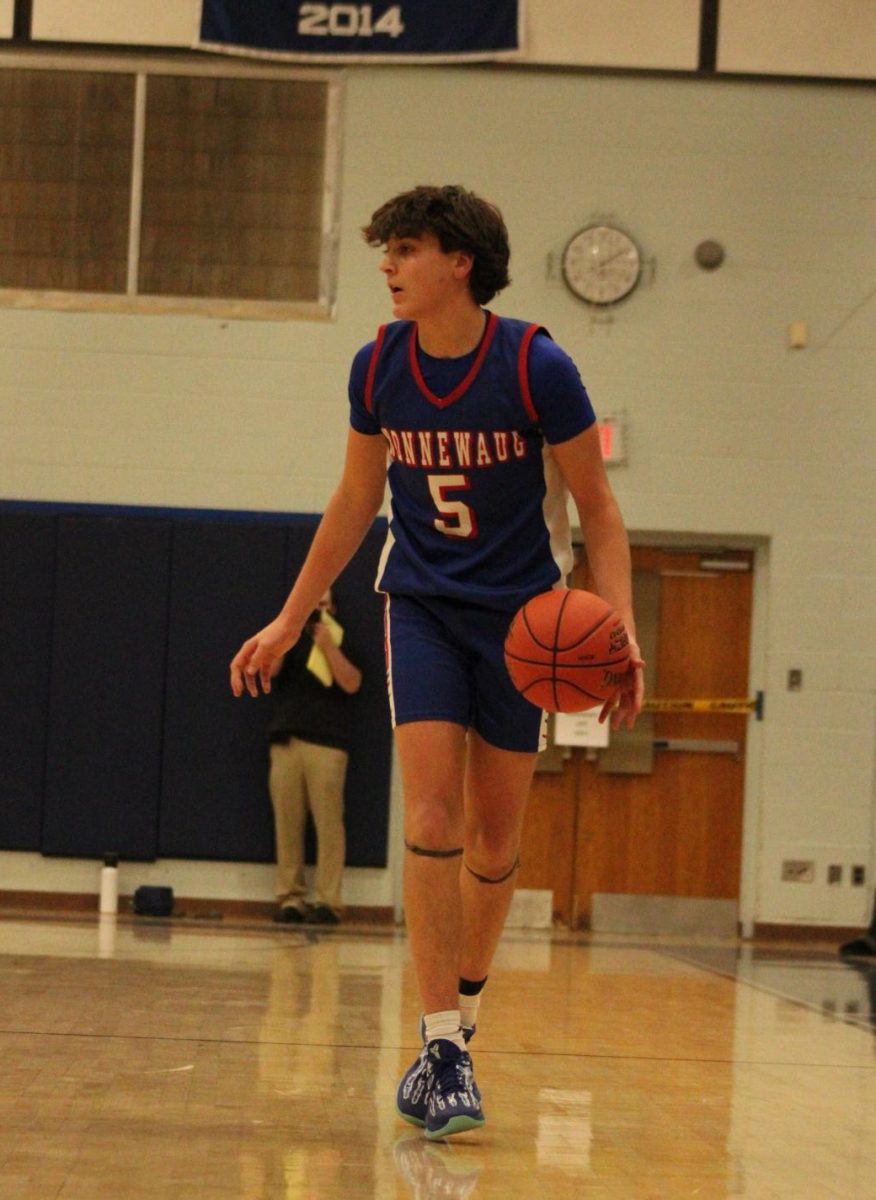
798	870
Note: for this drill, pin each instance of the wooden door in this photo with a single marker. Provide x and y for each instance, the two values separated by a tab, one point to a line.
677	829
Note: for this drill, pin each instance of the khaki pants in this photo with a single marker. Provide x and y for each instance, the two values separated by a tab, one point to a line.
306	776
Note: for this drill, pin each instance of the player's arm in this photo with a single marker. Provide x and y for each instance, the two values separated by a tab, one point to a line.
608	549
347	518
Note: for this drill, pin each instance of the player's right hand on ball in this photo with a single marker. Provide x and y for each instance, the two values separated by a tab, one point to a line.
623	708
254	662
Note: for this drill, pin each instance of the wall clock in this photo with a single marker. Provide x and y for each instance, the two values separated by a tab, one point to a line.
601	264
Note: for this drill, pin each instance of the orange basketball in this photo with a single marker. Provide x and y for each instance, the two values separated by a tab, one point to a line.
567	650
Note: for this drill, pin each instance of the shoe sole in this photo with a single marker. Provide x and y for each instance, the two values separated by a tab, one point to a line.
455	1125
411	1120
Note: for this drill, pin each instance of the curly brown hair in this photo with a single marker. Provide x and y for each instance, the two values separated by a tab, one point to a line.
460	220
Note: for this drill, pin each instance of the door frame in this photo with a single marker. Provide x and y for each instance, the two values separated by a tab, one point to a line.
752	808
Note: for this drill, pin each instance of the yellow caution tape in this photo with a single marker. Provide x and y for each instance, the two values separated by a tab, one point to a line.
701	706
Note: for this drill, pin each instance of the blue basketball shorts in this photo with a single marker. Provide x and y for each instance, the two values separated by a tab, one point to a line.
445	662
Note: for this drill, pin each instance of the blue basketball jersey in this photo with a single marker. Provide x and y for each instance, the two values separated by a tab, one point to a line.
478	505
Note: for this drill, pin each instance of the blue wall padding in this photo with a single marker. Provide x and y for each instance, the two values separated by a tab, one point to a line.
27	555
119	730
106	696
227	583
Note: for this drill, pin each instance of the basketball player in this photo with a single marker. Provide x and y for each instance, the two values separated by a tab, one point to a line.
479	423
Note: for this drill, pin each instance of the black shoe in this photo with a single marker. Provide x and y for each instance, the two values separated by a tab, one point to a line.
289	914
321	914
861	947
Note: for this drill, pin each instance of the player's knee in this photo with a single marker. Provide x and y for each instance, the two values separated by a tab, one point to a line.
491	851
433	828
491	846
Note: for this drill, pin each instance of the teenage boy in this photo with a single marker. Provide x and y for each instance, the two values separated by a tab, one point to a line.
479	424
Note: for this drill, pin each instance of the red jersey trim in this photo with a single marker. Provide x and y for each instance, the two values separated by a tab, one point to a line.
461	388
372	370
523	372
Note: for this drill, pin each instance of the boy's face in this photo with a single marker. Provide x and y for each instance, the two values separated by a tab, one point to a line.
422	278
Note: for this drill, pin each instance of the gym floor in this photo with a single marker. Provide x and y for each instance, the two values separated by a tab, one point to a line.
150	1059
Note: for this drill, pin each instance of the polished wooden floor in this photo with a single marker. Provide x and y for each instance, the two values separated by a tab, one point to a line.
171	1059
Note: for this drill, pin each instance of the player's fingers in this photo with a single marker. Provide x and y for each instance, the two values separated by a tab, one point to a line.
236	672
629	701
242	668
251	673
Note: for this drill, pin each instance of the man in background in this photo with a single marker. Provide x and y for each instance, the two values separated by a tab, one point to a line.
309	733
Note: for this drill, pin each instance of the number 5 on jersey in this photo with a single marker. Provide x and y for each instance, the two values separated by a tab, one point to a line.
456	518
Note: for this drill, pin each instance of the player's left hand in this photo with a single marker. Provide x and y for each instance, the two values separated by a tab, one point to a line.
627	704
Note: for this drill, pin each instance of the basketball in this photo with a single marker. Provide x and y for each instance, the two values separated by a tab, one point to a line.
567	650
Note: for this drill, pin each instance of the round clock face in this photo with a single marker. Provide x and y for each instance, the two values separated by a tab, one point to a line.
601	264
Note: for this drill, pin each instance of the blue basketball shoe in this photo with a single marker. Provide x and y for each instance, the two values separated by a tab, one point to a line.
452	1101
411	1096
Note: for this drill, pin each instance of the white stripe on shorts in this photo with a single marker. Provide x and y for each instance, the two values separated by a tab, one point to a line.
387	645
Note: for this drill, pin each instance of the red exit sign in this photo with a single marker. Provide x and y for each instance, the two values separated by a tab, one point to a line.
612	439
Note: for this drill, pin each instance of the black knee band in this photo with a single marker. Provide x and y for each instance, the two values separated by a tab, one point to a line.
432	853
501	879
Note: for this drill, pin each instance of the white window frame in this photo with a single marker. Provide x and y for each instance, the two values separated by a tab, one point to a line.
141	65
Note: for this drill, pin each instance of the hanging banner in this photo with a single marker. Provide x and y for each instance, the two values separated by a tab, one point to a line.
417	30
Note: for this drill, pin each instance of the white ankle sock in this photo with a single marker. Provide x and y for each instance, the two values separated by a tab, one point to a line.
468	1010
444	1025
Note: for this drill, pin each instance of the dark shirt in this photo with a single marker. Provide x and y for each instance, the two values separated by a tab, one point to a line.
304	707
